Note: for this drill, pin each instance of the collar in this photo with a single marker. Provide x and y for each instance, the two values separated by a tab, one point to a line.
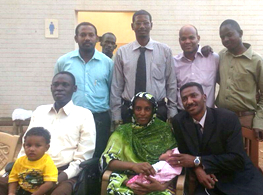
149	45
248	53
77	54
182	56
66	109
202	121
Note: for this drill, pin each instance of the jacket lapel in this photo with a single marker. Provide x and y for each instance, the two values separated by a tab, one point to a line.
209	128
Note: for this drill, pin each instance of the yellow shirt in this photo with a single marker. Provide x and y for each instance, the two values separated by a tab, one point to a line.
241	76
32	174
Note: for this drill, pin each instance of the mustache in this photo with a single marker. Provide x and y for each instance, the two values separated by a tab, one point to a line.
188	106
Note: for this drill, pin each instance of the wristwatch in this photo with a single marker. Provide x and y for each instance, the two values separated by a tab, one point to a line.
197	161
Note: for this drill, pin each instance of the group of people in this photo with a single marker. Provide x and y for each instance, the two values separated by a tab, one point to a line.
146	89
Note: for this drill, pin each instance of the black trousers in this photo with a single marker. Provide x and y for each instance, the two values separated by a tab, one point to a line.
103	124
126	115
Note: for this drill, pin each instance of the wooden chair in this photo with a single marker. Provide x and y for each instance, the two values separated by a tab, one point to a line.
8	145
106	176
17	125
251	146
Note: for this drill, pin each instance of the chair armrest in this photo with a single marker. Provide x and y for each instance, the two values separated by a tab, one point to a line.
8	169
105	182
180	185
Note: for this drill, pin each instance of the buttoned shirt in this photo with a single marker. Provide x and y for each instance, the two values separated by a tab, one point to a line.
241	76
160	81
73	134
202	70
92	78
201	122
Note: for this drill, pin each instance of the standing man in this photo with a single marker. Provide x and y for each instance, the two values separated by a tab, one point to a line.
93	73
241	78
108	44
143	65
191	65
211	146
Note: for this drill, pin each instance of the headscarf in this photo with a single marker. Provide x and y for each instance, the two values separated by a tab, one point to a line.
149	98
150	141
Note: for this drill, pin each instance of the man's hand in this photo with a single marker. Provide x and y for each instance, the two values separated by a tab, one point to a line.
144	168
147	188
206	50
259	134
207	180
62	177
181	160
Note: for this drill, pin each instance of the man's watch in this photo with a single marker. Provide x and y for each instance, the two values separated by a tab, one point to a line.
197	161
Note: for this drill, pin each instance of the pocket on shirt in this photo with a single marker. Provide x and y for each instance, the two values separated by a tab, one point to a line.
242	81
158	72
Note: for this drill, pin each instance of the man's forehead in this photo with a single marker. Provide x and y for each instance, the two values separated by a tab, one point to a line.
62	78
190	90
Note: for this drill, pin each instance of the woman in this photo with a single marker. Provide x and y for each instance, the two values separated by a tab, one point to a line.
133	147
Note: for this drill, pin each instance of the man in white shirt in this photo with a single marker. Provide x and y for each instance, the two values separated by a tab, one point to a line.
72	130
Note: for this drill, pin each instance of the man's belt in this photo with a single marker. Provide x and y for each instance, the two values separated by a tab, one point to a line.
245	113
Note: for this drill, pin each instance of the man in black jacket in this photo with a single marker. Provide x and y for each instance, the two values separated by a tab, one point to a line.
211	146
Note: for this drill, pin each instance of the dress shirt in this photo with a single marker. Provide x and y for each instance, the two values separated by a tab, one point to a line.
240	78
161	79
72	132
201	122
93	79
202	70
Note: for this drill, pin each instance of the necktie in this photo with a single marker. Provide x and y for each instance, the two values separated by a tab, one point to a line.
140	82
199	132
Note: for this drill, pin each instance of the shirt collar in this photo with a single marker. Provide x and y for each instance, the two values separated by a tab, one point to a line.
77	54
149	45
202	121
198	52
248	53
66	109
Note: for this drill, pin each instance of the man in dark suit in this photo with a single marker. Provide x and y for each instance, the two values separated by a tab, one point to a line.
211	146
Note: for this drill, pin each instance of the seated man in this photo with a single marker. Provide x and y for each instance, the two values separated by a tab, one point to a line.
72	130
211	145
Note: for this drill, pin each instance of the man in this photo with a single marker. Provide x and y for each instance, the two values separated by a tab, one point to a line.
72	130
108	44
211	146
93	73
192	65
241	78
143	65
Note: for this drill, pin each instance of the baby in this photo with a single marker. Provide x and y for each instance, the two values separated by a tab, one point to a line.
164	172
36	172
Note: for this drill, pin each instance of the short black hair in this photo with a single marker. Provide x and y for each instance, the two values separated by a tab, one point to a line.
39	131
84	24
233	23
108	33
141	12
192	84
67	73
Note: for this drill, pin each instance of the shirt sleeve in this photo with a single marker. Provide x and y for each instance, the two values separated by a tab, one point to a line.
13	177
50	172
117	87
171	85
258	119
86	145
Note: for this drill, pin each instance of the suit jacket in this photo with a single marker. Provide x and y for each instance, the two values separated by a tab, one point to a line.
222	151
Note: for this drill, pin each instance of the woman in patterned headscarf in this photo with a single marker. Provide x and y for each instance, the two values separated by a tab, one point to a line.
133	147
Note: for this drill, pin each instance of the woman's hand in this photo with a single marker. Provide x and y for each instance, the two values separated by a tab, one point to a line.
144	168
147	188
